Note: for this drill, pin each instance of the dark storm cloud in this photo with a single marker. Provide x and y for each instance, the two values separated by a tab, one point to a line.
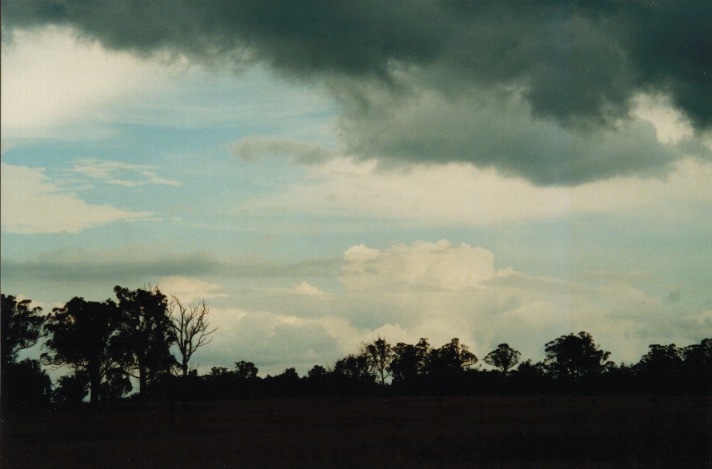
576	64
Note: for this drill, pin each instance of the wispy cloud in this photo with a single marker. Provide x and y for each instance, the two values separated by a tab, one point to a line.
121	174
31	203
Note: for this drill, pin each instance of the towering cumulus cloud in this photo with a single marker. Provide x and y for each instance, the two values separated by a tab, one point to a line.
542	90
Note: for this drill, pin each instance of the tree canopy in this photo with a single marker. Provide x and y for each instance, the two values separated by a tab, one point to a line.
20	326
146	334
571	357
85	335
503	358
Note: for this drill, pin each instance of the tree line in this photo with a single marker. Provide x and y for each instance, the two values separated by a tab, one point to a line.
145	335
102	344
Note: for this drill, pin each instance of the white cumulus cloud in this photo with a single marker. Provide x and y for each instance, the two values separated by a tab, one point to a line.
438	265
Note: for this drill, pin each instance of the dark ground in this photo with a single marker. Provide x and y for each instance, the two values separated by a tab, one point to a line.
482	431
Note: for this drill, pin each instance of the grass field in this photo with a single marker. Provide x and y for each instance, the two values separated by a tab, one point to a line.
483	431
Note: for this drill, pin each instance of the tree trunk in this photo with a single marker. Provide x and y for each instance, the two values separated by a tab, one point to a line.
184	367
94	385
142	381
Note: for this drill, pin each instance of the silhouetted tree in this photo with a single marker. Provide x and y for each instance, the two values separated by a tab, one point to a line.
527	368
409	361
28	383
379	355
661	368
698	355
503	357
571	357
245	370
116	386
354	368
661	360
20	329
218	371
71	388
146	334
317	372
320	381
450	359
83	336
20	326
190	329
290	374
697	363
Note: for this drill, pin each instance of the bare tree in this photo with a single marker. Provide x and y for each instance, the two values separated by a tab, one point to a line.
190	329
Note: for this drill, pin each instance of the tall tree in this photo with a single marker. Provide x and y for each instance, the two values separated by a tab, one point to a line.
245	370
22	382
354	368
450	359
146	334
20	326
698	364
83	336
409	361
699	356
503	357
379	355
571	357
661	360
317	372
190	329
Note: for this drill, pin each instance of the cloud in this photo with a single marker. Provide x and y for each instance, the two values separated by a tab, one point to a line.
134	263
188	289
120	173
402	292
61	85
305	288
31	203
253	148
272	341
54	84
494	128
139	263
460	194
546	91
441	290
419	265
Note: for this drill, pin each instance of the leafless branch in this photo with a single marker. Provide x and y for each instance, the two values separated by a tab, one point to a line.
191	329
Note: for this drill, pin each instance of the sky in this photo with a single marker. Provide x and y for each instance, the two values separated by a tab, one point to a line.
326	173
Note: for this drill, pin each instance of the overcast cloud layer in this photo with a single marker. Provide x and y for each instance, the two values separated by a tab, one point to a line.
543	90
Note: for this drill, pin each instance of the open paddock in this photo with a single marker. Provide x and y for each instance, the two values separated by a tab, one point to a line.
489	431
